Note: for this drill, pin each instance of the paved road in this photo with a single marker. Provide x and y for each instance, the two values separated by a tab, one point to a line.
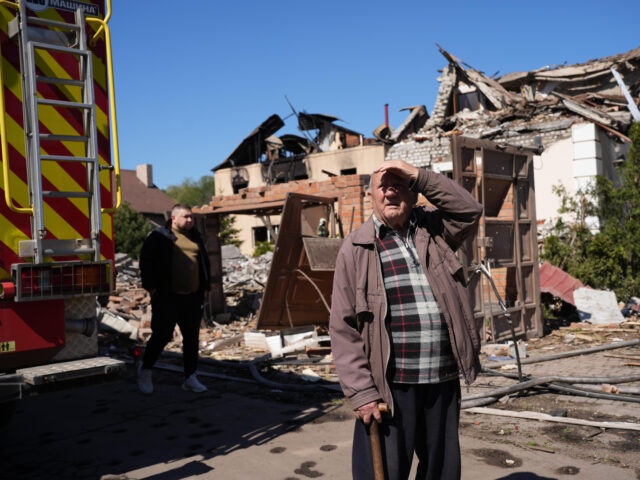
234	431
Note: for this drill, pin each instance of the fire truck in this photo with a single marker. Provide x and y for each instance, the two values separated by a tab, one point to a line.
60	175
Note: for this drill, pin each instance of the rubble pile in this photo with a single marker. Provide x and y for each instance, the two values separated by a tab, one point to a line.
128	309
243	282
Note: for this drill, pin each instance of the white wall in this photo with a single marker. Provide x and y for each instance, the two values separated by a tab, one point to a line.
552	168
245	224
364	159
223	178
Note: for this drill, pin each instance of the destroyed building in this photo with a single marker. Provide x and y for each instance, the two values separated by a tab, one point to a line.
574	117
506	140
263	160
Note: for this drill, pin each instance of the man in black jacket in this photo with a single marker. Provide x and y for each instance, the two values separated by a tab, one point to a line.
175	270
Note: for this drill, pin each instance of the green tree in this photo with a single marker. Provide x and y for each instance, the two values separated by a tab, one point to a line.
130	230
199	192
610	258
228	232
262	248
193	192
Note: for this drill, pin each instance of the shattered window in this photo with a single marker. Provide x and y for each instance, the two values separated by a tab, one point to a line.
468	100
263	234
472	101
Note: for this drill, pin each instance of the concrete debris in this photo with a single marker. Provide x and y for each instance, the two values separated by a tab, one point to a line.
243	283
597	306
117	323
246	272
231	336
128	308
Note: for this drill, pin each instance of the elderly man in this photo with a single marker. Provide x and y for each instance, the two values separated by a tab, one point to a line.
175	270
402	328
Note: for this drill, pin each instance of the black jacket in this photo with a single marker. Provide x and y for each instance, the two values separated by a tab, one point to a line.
155	260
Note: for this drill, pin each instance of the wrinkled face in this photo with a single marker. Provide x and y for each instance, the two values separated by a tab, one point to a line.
392	200
182	220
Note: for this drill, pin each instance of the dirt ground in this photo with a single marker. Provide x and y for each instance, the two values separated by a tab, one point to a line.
586	443
592	444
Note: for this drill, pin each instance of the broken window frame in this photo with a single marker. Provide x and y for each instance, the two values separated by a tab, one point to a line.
472	170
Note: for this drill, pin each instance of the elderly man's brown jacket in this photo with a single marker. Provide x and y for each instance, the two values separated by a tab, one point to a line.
359	335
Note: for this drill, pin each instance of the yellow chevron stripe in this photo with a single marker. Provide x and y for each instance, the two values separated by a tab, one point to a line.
99	69
10	235
51	170
50	67
56	123
56	224
4	275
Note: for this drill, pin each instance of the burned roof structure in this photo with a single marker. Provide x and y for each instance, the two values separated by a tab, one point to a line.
281	157
329	135
254	145
532	108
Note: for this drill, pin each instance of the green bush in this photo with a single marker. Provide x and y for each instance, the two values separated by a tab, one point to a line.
610	258
262	248
130	229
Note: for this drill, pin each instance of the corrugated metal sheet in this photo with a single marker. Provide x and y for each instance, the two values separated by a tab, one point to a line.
558	283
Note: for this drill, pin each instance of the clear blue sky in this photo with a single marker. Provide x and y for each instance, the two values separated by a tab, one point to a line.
193	78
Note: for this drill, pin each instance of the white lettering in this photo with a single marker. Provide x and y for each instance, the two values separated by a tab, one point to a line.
72	6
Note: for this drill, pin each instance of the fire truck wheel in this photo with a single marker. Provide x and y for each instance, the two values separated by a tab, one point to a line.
7	410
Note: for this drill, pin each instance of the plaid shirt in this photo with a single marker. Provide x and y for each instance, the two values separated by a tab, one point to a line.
420	345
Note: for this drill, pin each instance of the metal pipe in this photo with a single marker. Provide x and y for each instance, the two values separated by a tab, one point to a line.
591	394
107	17
6	171
621	389
386	115
112	109
574	353
480	399
480	268
84	326
500	392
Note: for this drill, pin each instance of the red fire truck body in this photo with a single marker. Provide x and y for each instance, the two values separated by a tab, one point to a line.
58	137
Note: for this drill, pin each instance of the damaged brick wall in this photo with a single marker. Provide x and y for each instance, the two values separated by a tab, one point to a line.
350	190
425	152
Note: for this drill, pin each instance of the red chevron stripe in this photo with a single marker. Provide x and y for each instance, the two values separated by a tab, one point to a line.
75	170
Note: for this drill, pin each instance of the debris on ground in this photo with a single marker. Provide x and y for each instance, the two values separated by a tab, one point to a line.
300	358
597	306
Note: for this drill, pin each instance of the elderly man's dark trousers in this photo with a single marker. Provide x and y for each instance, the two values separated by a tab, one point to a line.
167	310
425	421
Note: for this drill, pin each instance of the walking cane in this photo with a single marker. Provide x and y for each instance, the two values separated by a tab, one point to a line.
376	452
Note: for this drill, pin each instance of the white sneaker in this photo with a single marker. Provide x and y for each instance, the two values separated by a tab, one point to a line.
193	384
145	385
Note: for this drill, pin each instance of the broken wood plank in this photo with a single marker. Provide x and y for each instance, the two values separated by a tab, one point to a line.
584	110
549	418
620	355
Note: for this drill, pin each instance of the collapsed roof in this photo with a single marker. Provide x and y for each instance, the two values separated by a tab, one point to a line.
254	145
549	98
262	139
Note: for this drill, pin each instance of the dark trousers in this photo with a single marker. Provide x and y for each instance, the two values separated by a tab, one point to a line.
167	310
425	421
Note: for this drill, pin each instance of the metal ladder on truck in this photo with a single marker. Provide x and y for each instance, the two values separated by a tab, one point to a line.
41	35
